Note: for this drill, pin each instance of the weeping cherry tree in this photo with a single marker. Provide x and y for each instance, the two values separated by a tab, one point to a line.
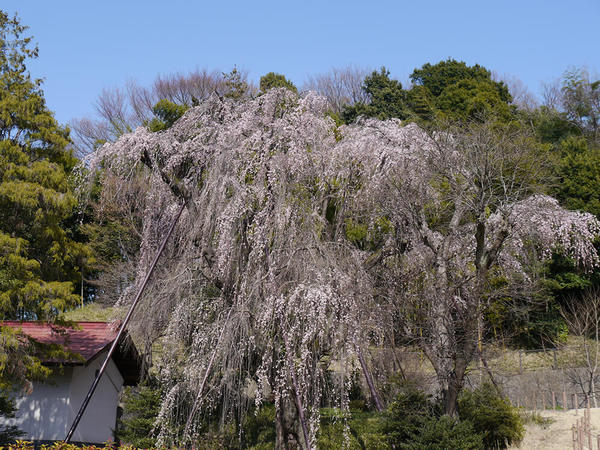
302	244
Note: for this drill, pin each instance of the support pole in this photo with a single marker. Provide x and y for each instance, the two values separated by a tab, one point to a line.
297	398
122	329
369	379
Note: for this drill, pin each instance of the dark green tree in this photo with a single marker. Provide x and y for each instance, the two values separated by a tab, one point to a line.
8	433
492	416
578	173
472	99
421	103
455	91
235	85
40	257
387	99
437	77
415	421
276	80
551	125
448	90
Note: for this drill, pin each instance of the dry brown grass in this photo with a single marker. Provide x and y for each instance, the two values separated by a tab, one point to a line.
557	434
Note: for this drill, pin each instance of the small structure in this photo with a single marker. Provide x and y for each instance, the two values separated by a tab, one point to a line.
47	412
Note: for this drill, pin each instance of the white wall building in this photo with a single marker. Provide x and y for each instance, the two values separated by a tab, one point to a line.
48	411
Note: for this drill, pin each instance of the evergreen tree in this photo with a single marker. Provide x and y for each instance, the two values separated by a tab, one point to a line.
235	85
437	77
166	114
387	99
452	90
276	80
8	433
449	90
39	255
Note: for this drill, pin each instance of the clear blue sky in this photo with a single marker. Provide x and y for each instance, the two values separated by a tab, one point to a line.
88	45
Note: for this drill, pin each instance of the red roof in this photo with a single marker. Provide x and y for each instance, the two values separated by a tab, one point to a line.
87	339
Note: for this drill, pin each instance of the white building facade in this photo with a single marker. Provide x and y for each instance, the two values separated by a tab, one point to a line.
47	412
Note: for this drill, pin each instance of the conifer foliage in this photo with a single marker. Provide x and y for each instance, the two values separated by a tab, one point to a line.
39	258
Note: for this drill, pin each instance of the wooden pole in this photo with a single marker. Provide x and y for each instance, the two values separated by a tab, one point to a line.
520	361
553	401
588	430
543	401
369	379
296	389
587	403
589	436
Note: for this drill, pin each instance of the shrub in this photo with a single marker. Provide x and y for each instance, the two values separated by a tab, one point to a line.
443	433
492	416
140	408
259	427
359	430
8	433
414	421
406	415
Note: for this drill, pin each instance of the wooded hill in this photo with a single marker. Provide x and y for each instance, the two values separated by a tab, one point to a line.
320	225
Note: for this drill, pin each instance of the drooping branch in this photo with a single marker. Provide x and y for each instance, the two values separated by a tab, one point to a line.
200	391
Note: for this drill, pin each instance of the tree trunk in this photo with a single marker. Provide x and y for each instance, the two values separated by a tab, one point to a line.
451	398
450	374
286	426
291	421
452	342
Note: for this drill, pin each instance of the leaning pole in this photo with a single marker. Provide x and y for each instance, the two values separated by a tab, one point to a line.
138	296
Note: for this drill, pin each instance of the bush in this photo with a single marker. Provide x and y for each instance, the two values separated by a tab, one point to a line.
140	408
259	427
414	421
407	414
359	430
492	416
443	433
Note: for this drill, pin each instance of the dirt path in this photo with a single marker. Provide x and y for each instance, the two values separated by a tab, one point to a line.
558	435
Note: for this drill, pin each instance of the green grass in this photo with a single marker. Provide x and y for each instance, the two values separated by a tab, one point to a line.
94	312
